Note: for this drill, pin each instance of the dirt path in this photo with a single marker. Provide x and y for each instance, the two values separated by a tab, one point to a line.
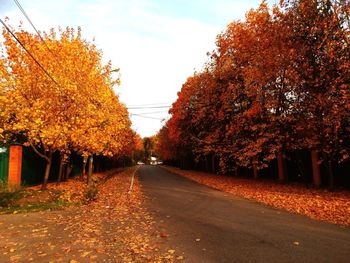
115	228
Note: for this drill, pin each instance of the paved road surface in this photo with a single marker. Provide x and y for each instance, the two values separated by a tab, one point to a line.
212	226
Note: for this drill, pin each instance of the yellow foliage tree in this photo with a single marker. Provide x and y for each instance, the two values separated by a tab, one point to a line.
70	106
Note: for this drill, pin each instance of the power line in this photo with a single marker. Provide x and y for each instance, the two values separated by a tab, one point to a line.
22	45
154	112
31	23
151	104
148	107
38	33
36	30
146	117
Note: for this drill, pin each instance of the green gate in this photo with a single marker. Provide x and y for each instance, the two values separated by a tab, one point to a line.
33	167
4	163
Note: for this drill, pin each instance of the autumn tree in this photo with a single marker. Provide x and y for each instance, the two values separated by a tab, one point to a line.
148	146
137	150
263	83
276	85
320	33
4	77
164	145
67	102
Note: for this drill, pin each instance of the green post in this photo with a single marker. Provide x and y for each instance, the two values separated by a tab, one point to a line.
4	164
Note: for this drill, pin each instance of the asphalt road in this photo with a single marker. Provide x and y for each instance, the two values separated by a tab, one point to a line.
212	226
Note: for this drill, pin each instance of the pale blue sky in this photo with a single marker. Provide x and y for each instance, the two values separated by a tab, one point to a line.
156	43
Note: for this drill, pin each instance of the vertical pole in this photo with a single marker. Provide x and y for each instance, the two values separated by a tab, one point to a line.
15	167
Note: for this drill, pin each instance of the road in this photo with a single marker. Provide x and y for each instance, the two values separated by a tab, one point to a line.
212	226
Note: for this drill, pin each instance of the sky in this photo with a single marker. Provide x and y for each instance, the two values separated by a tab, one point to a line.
157	44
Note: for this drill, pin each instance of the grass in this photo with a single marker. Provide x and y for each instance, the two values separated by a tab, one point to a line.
7	198
22	201
73	192
34	207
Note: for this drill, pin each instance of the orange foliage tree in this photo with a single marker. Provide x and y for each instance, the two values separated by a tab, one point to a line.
277	84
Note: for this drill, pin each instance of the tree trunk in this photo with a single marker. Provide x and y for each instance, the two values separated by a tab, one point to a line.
83	169
255	171
68	171
60	171
316	175
281	167
235	169
213	164
330	174
90	171
206	164
301	167
47	172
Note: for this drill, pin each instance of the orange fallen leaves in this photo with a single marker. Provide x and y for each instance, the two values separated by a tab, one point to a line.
71	191
134	231
116	227
318	204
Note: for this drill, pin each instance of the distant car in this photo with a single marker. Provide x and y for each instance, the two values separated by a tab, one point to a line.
139	162
160	162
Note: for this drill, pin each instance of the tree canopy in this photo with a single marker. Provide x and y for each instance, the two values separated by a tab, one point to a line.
59	96
278	81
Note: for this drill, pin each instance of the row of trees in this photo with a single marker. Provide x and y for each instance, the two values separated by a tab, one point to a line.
59	97
278	83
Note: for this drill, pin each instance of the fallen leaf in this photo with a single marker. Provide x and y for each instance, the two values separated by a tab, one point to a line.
162	234
84	254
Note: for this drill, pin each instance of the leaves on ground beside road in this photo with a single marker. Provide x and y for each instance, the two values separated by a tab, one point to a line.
318	204
73	191
115	227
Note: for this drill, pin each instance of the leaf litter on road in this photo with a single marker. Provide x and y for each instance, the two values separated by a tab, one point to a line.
115	226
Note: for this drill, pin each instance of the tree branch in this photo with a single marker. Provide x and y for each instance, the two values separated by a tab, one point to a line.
38	152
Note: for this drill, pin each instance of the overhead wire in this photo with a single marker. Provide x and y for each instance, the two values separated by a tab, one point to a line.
151	104
136	107
154	112
32	24
41	38
30	54
147	117
142	106
149	107
38	33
